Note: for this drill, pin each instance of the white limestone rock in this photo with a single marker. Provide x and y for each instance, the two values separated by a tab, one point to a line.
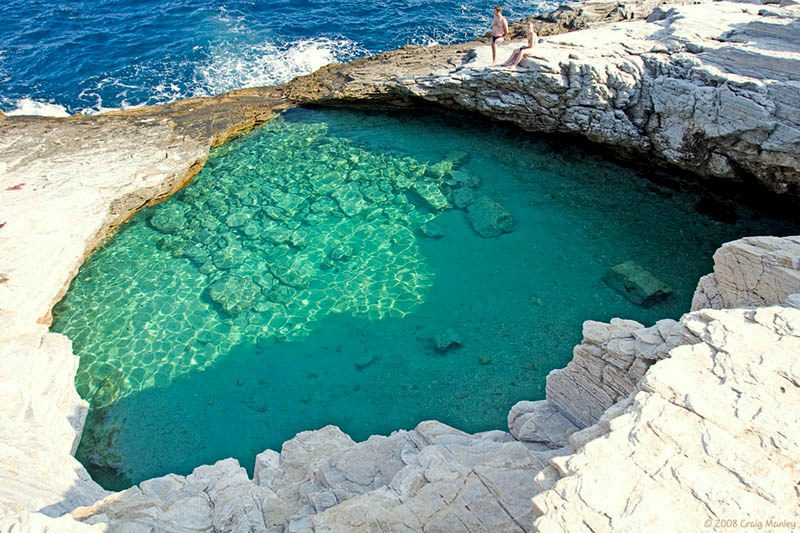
607	365
471	485
711	433
540	422
41	418
710	87
286	475
75	185
751	272
14	519
793	301
219	497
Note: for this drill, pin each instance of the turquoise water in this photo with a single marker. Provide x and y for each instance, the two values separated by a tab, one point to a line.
292	285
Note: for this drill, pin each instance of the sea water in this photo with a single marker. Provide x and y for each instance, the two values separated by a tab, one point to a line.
70	56
303	279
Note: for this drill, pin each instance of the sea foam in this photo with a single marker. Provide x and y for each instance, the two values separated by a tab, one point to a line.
28	106
231	67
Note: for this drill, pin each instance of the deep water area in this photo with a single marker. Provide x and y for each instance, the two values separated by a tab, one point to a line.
370	271
71	56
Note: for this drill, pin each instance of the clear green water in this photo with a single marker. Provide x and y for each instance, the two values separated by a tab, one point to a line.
290	287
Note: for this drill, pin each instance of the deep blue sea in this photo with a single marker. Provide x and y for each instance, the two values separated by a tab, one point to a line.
72	56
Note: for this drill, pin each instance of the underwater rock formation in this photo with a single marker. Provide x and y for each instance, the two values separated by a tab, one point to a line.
447	340
488	218
636	284
674	435
41	422
698	415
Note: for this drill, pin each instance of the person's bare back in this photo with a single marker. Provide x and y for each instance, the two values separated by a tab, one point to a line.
499	30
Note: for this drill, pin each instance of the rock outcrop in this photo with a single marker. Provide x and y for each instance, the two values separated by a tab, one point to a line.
698	415
751	273
606	366
711	88
41	422
703	434
432	478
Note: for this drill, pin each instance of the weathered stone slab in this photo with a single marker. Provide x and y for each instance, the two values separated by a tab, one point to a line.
636	284
540	422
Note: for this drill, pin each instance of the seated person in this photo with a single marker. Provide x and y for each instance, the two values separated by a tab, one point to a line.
523	51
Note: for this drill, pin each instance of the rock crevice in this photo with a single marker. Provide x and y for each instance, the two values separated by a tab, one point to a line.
700	413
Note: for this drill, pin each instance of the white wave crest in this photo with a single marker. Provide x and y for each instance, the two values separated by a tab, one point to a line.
28	106
232	67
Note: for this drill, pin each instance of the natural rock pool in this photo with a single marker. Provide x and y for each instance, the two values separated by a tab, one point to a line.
307	275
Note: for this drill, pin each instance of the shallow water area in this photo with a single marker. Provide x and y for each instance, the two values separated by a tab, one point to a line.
308	273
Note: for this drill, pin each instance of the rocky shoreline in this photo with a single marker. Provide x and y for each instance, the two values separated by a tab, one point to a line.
620	442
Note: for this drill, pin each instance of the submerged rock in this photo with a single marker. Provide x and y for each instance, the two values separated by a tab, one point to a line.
279	294
488	218
459	158
432	229
168	219
342	252
462	197
459	178
365	360
349	198
234	293
432	195
447	340
636	284
236	220
229	257
441	169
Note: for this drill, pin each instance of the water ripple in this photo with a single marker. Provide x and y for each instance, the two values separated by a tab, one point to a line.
91	55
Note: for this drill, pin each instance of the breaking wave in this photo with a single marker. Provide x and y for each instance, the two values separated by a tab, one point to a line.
232	67
28	106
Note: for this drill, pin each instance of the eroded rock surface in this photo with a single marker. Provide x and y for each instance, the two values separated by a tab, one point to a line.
623	438
707	434
711	88
434	478
751	272
696	415
40	424
606	366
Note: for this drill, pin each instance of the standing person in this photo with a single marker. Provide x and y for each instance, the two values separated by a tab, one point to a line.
522	51
499	30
